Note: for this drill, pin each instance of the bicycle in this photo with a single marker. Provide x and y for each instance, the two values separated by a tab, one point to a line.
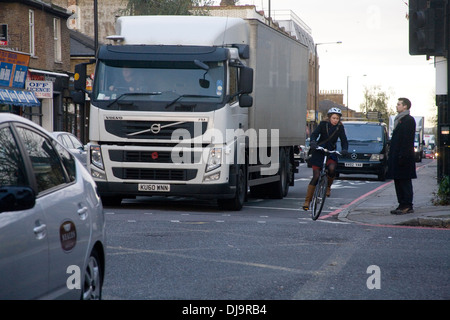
320	193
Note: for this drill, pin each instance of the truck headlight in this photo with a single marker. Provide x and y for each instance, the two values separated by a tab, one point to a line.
96	157
214	159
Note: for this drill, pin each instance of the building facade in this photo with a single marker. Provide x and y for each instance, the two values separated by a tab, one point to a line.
39	30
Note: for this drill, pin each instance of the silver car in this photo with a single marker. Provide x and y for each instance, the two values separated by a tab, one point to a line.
71	142
52	235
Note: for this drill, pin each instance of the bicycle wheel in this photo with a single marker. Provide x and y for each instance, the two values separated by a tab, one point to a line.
320	194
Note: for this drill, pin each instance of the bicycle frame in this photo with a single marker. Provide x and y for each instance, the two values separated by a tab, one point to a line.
320	193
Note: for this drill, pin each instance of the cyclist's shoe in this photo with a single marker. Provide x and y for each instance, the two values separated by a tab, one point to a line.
309	195
330	182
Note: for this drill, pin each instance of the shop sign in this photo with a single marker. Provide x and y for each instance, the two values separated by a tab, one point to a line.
13	68
41	89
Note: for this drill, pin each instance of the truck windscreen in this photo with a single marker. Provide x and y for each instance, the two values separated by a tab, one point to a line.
159	85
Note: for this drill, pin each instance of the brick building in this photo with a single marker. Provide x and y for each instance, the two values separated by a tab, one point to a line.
39	30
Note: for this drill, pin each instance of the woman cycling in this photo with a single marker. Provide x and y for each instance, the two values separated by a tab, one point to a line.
328	132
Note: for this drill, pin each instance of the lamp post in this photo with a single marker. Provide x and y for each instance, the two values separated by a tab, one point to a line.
364	75
316	77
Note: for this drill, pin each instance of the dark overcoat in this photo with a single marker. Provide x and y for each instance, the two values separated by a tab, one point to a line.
401	161
323	131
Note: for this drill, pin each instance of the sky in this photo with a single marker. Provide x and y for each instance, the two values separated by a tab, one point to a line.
374	50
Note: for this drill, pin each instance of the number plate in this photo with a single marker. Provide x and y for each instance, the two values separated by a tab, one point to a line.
154	187
354	164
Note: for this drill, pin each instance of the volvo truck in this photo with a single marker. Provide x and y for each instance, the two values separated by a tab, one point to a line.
196	106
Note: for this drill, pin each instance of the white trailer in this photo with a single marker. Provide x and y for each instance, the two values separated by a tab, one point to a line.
419	141
214	107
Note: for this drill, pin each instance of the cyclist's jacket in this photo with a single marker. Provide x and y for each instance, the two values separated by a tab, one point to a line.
326	136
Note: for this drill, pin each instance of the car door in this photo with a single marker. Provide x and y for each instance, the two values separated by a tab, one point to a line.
23	234
62	198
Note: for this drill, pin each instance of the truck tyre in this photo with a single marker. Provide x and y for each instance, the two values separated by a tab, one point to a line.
280	188
237	202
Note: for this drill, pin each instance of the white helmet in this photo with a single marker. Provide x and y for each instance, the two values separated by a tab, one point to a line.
335	110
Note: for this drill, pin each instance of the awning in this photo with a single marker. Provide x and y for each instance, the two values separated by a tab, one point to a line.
18	97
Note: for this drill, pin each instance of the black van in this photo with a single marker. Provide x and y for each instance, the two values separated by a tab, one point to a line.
368	149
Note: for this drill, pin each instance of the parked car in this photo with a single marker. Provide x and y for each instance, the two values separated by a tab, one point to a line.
71	142
51	218
368	148
429	154
301	151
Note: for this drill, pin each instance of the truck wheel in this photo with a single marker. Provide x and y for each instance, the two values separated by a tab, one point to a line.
236	203
281	187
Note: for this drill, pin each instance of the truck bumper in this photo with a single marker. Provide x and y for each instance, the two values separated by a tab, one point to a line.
201	191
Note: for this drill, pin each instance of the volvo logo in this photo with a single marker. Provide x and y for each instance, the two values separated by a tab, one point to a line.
155	128
354	156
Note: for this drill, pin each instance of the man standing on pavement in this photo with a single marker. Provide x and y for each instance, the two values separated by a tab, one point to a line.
401	161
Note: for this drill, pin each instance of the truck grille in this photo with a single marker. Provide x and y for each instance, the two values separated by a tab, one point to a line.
151	156
154	174
134	129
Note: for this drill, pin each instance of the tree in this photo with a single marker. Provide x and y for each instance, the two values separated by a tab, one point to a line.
377	100
166	7
228	2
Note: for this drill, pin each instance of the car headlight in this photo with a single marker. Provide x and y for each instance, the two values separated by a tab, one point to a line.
375	157
214	159
96	157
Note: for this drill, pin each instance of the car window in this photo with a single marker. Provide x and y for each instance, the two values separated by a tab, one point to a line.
66	141
68	161
77	144
12	168
47	168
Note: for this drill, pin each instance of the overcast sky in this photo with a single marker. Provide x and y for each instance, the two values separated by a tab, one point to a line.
374	35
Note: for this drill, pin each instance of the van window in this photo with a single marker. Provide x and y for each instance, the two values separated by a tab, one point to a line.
363	133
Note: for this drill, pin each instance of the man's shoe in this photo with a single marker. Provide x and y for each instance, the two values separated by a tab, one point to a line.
404	211
395	210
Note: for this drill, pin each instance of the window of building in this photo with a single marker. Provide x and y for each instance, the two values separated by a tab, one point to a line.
31	31
57	39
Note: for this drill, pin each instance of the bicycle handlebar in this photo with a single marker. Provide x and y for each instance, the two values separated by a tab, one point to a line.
328	151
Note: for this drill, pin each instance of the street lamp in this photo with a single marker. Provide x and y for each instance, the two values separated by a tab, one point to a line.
364	75
316	80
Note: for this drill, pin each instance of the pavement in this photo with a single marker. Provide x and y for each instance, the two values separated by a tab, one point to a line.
374	208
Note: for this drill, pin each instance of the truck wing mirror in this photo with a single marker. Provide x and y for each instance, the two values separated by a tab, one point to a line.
245	101
245	80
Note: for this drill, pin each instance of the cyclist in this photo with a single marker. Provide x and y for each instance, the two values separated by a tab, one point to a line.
327	132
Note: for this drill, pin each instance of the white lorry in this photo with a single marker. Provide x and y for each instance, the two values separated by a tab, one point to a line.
419	141
196	106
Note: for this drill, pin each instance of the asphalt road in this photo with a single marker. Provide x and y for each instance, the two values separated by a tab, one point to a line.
185	249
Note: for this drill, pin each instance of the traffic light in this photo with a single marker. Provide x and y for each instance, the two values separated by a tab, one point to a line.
427	27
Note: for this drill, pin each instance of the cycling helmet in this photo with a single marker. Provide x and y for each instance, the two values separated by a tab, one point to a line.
335	110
